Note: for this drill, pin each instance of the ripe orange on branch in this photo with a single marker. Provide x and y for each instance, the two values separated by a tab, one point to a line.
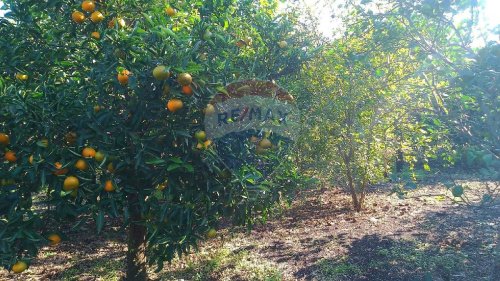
96	17
10	156
187	90
123	77
174	105
88	152
4	139
78	17
96	35
88	6
81	165
71	183
108	186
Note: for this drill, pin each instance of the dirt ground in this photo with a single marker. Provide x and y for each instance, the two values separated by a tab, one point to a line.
426	236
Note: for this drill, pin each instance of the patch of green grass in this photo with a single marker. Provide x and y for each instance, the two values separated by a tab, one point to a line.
336	270
105	269
108	270
416	259
415	256
223	264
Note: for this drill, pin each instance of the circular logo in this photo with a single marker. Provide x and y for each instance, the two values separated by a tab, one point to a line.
253	125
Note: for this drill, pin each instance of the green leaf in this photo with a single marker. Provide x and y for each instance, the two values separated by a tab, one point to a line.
222	90
176	160
189	167
379	73
172	167
427	167
156	161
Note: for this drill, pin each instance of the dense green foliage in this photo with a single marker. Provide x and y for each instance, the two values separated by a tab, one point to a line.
401	90
166	188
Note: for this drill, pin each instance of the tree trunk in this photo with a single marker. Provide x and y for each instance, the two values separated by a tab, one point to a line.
399	161
357	204
361	199
136	243
356	201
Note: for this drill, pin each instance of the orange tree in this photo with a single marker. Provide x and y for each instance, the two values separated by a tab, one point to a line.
99	105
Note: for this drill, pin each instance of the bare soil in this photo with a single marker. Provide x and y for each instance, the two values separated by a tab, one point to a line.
426	236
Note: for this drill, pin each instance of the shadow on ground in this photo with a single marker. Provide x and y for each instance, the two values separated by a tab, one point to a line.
460	243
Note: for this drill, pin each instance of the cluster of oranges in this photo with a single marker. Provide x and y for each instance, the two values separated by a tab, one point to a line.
185	80
160	72
9	155
71	183
89	7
